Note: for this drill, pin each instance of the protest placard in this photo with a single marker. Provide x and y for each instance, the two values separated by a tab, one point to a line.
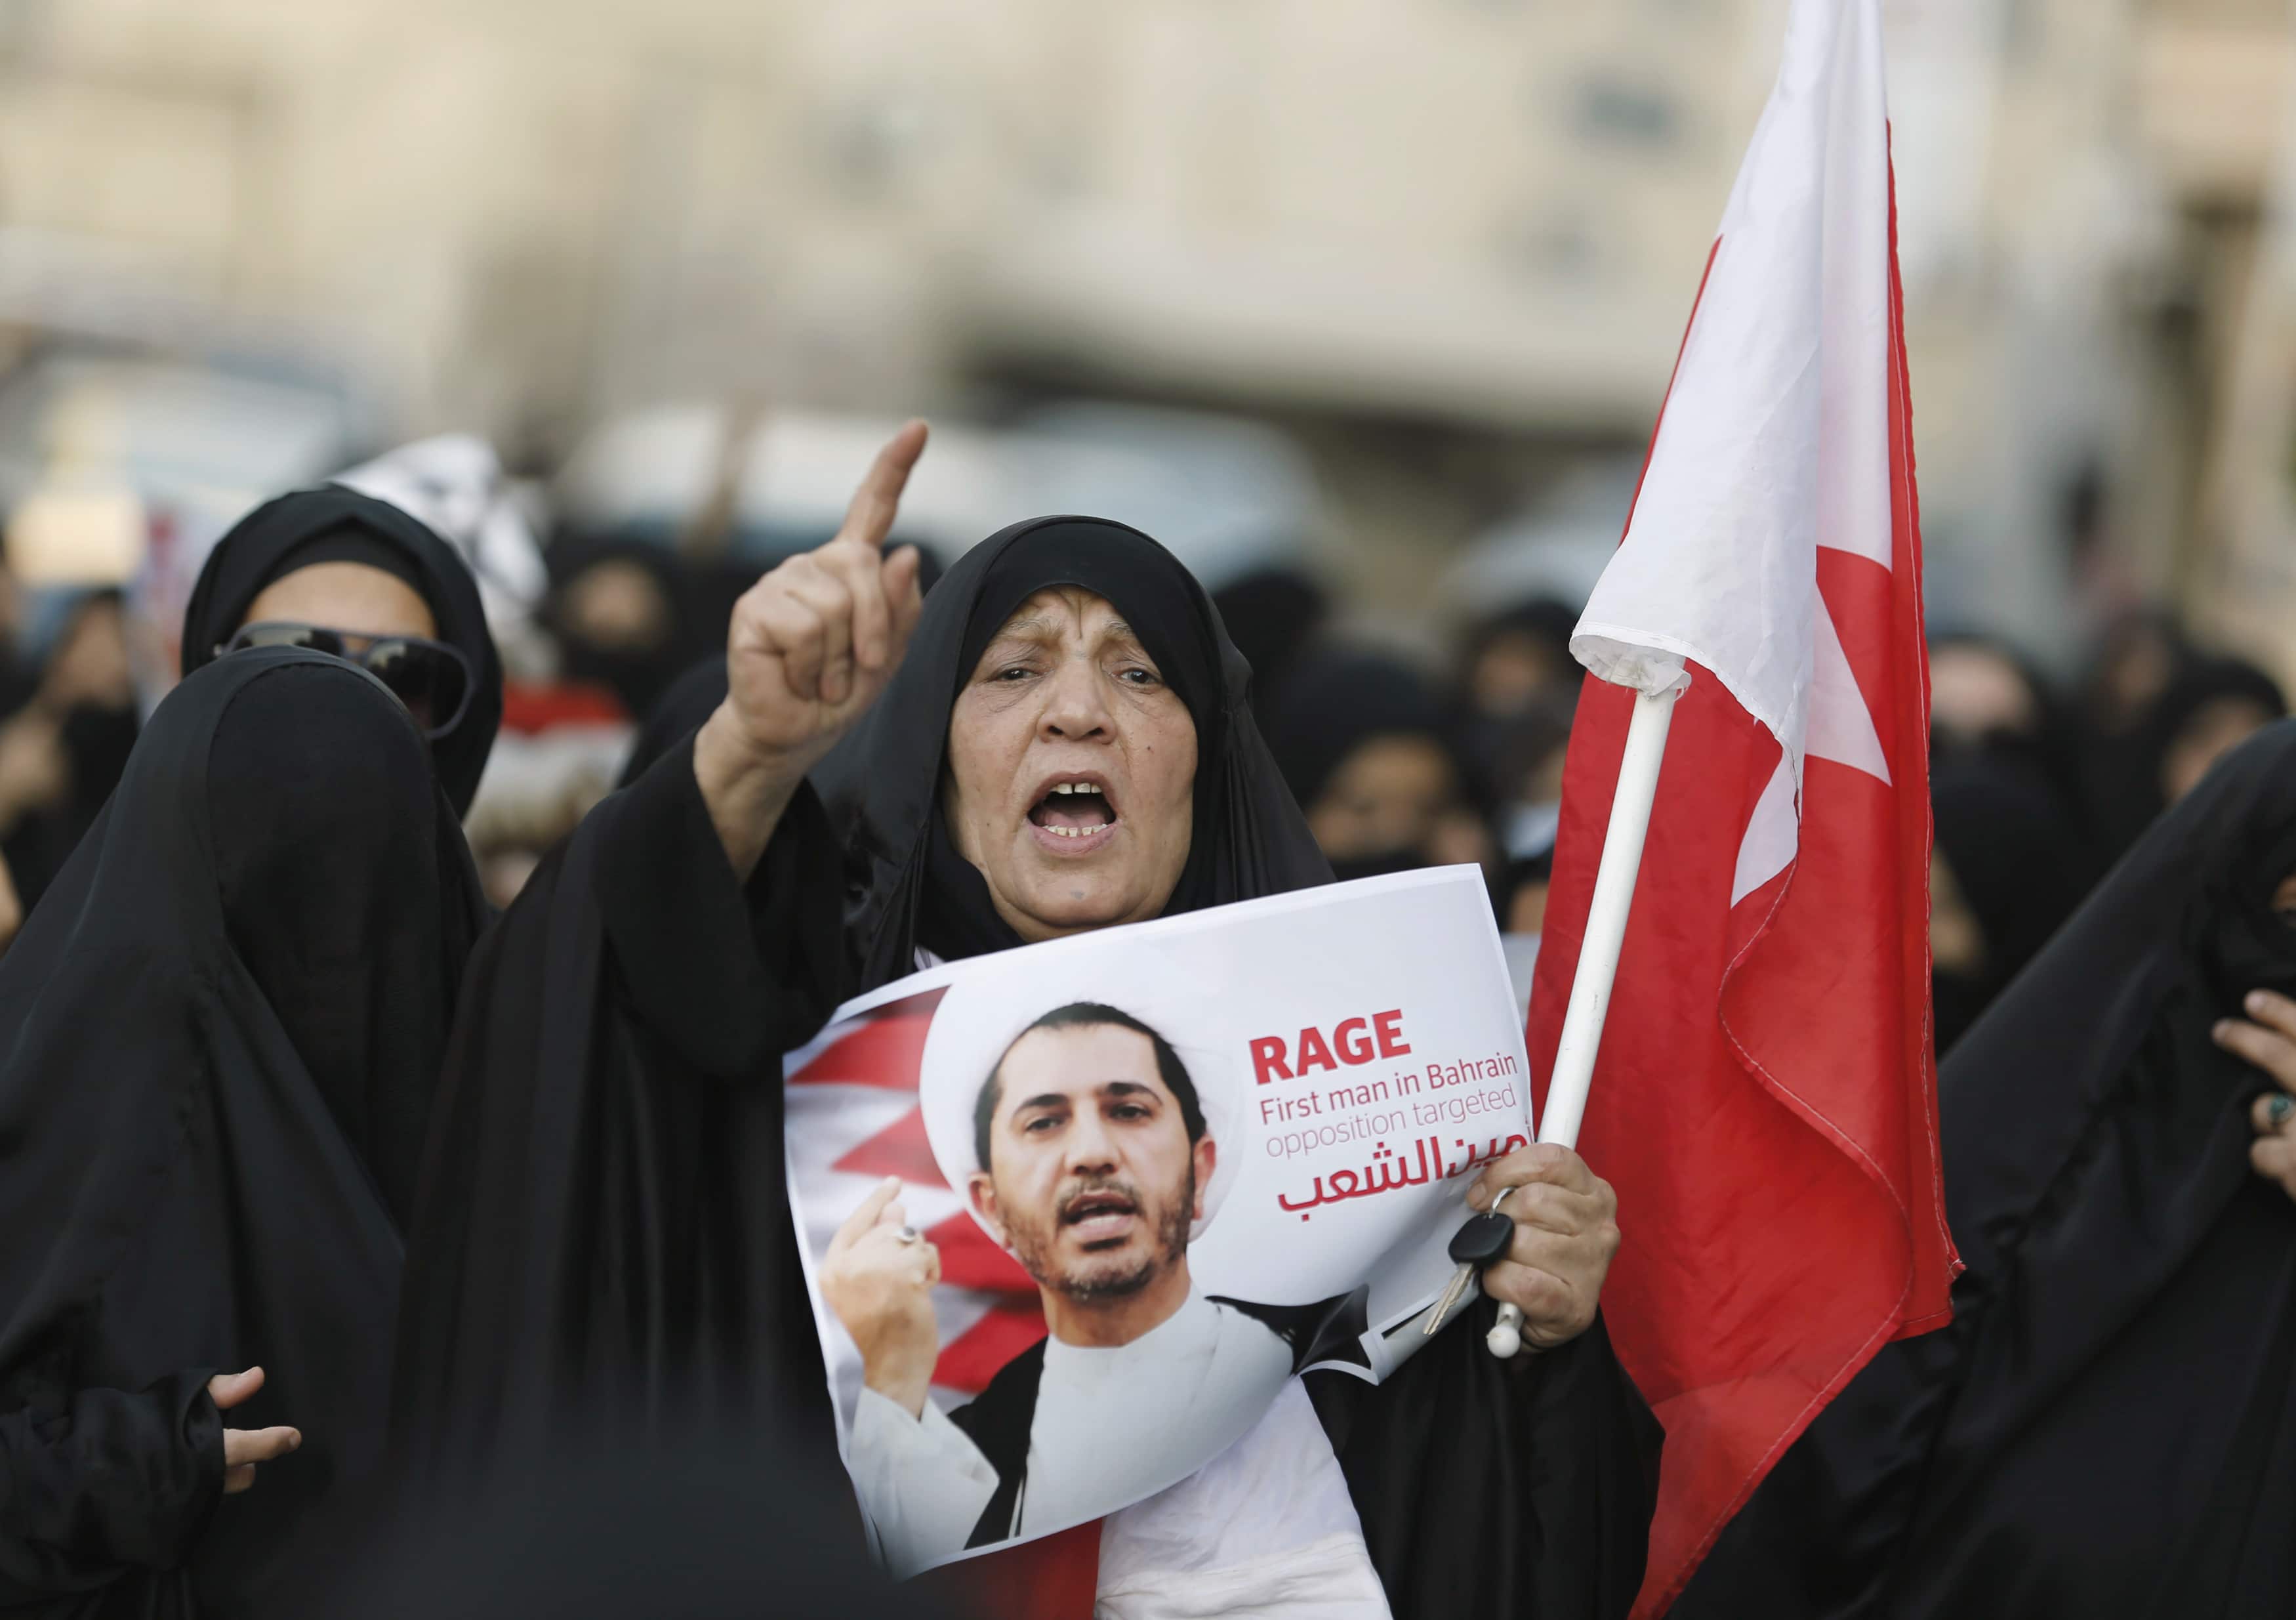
1212	1152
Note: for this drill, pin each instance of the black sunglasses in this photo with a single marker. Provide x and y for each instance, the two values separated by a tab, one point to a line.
432	679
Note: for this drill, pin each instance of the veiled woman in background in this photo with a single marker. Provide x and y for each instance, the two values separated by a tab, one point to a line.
221	1030
2106	1427
1366	747
602	1240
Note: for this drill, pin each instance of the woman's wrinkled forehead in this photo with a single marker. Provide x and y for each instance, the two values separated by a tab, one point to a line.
1060	611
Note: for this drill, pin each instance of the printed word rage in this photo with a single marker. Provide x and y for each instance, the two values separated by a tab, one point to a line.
1352	1041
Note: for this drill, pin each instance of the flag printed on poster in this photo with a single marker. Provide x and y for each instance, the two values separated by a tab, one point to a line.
1277	1108
1765	1100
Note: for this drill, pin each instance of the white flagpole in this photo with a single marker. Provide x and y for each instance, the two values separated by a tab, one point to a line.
1598	952
1607	919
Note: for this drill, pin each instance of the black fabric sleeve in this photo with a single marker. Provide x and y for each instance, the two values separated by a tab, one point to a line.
116	1478
708	963
1522	1487
601	1235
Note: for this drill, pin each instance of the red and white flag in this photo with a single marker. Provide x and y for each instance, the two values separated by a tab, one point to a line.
1765	1100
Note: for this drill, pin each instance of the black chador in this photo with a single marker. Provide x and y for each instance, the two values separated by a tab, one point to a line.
2105	1428
604	1234
220	1032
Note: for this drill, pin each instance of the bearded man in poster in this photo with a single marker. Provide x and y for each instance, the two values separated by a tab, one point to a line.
1092	1159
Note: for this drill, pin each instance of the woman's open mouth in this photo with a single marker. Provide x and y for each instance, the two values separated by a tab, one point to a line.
1073	816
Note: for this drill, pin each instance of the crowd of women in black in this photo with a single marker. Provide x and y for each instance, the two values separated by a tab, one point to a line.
316	1171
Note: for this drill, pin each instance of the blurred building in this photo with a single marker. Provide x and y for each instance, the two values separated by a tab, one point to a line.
1448	246
2219	77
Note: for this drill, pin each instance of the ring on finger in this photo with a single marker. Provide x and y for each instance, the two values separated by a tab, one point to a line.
908	1234
2277	1110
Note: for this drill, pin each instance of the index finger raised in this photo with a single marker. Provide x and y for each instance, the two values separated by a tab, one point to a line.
876	503
862	1219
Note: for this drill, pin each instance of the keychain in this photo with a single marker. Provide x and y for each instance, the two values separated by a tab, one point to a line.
1483	1242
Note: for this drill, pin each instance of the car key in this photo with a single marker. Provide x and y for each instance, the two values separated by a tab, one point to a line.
1477	1244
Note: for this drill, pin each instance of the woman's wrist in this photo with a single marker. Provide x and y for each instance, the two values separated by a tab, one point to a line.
746	792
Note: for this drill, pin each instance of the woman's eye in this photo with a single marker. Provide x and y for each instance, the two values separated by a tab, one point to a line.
1010	673
1137	677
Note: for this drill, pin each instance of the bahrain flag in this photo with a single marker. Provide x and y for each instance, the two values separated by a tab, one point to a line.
1765	1100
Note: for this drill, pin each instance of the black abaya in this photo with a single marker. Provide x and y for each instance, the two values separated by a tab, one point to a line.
2109	1426
602	1238
219	1029
678	715
707	1526
2015	856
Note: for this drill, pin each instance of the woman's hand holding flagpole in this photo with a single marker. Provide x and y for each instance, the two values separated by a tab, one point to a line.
1598	956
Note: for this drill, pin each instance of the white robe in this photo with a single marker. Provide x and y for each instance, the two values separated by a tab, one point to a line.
1266	1527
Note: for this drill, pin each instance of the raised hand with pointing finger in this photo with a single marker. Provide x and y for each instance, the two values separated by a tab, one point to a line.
811	646
878	1276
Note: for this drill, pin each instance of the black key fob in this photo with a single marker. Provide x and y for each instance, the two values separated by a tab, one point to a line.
1482	1240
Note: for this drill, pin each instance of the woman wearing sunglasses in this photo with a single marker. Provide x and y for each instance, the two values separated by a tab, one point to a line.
219	1036
339	572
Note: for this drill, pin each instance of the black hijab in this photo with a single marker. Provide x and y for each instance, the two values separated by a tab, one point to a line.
2051	749
221	1030
1337	701
639	675
95	735
882	785
2133	793
1273	615
333	524
2015	856
2109	1427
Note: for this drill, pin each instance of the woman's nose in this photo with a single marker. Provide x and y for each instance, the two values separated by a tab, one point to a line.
1075	706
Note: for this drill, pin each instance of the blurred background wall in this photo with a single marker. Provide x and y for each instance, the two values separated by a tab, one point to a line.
1397	280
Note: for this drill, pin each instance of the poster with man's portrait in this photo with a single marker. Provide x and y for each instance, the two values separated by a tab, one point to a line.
1073	1215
